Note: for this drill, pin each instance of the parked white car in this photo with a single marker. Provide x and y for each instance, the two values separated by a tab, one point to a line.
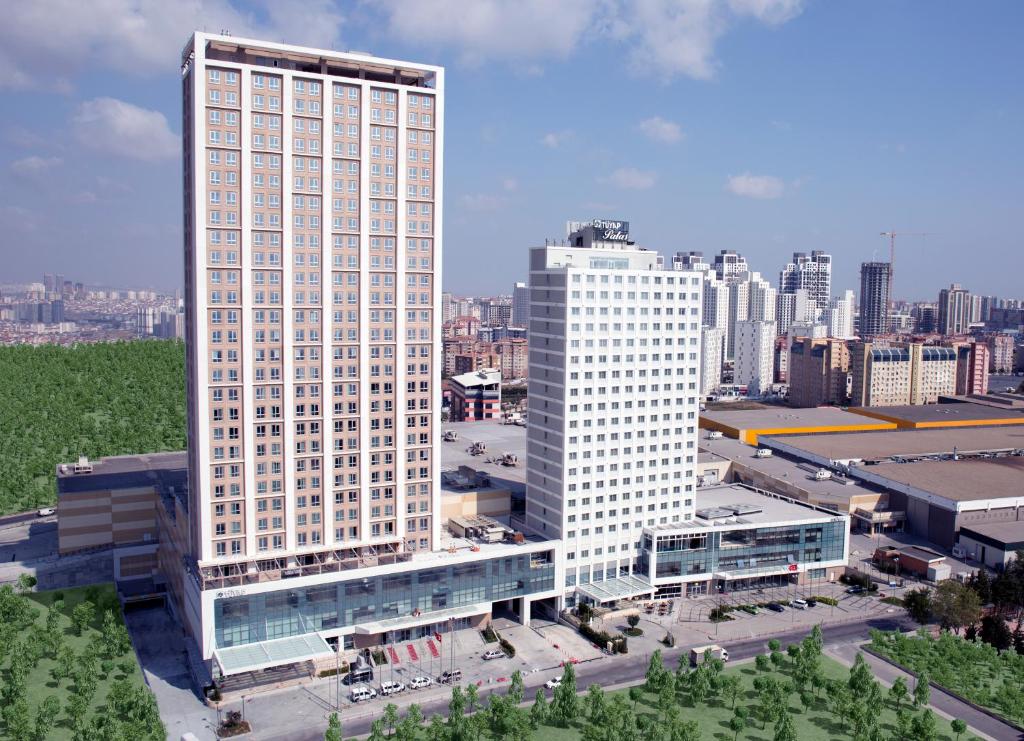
420	682
494	653
360	694
46	512
553	683
799	604
391	688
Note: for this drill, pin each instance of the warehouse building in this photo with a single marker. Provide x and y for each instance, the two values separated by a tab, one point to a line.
749	424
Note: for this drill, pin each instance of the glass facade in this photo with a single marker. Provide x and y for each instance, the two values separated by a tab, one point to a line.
740	550
287	612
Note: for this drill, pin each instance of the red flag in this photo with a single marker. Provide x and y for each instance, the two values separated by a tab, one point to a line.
437	637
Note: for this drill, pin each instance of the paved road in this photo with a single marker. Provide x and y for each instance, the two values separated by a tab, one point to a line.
25	517
610	672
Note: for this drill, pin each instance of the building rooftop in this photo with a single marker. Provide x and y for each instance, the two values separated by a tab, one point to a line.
1009	535
749	424
943	414
881	446
735	504
835	492
966	480
485	377
499	438
165	471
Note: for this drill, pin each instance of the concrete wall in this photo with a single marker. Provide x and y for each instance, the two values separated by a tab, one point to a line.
492	502
105	517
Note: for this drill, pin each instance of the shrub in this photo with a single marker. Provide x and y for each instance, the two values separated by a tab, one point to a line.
379	657
827	601
508	648
489	635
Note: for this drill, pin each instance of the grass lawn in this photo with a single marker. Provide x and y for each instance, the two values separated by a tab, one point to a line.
40	682
713	717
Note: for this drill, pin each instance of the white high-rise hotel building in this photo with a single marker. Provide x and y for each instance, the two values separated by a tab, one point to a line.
313	202
614	387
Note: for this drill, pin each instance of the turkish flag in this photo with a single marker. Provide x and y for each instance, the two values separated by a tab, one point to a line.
437	637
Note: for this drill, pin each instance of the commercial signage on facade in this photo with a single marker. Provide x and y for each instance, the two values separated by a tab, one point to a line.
608	230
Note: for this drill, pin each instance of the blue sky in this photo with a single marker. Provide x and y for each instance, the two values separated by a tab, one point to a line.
765	126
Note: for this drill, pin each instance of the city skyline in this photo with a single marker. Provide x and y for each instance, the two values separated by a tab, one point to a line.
744	147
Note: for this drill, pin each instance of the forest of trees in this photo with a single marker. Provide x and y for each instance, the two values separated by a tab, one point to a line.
57	403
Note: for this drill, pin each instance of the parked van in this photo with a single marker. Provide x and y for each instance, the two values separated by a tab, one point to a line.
451	677
359	694
715	435
357	675
763	453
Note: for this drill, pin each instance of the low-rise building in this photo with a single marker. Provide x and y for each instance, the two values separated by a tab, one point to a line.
901	374
476	395
994	544
818	372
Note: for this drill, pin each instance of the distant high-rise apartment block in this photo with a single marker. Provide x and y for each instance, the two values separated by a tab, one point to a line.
901	374
448	307
840	316
520	305
818	372
972	361
812	273
875	298
755	352
1001	348
796	306
954	310
728	263
614	373
712	353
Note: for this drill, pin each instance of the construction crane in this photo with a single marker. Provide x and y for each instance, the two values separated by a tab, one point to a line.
892	251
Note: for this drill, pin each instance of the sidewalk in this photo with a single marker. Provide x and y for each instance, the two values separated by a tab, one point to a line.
948	707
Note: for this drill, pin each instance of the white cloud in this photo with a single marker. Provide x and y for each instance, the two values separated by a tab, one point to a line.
555	139
661	130
494	29
44	41
34	165
510	184
113	126
661	37
756	186
772	12
630	178
481	202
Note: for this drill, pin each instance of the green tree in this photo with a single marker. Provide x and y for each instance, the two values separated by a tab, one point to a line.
456	705
64	664
925	727
918	603
17	720
636	694
731	686
737	725
333	732
774	644
633	621
26	583
655	674
954	605
959	728
996	632
390	717
684	730
898	692
82	616
922	692
596	706
762	663
565	706
376	730
516	689
408	728
473	696
784	728
437	730
46	715
539	710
